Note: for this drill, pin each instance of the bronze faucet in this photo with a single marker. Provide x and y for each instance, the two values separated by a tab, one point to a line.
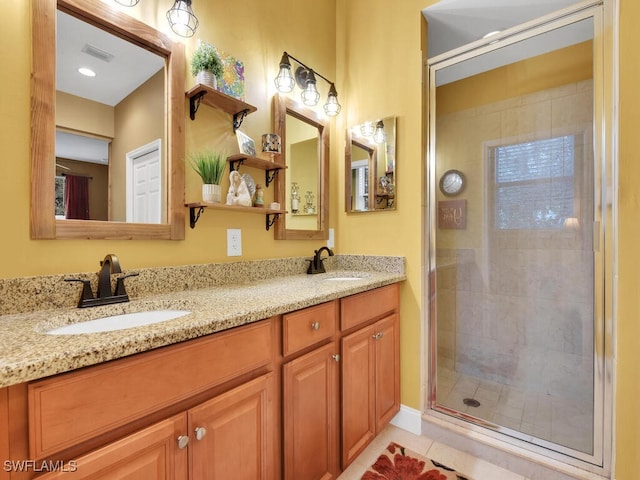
316	265
104	294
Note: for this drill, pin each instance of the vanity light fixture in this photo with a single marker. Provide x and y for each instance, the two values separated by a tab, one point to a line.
305	77
181	18
379	135
367	129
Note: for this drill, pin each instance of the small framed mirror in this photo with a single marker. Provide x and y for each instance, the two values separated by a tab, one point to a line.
302	188
370	166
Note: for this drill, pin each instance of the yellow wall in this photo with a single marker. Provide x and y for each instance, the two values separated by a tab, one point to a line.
82	115
376	75
628	311
139	120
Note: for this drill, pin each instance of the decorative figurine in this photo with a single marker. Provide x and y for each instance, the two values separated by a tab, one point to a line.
259	200
238	191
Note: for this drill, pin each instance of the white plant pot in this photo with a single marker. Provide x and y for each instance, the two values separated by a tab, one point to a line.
207	78
211	193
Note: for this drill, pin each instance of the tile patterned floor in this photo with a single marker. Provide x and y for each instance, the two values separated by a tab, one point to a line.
563	421
473	468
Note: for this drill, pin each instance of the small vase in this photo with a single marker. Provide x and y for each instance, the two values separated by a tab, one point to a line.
211	193
207	78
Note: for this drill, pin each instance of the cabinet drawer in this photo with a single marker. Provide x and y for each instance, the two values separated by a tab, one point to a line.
362	307
309	326
70	408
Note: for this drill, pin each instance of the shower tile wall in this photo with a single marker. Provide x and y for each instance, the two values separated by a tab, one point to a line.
515	307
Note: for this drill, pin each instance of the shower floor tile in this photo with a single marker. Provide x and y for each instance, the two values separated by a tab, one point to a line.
550	418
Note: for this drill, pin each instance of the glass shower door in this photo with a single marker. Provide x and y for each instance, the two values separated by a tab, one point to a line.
514	263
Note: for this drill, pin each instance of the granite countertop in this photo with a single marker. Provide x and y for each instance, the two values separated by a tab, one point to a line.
28	353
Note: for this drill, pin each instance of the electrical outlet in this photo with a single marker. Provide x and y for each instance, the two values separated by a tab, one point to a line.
234	242
331	241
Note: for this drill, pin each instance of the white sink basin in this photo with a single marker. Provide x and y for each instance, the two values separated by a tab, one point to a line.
118	322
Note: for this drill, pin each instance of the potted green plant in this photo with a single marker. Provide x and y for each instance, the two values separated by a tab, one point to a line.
210	166
206	65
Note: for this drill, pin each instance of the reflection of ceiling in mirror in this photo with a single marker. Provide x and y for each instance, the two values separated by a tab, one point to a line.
547	42
454	23
129	68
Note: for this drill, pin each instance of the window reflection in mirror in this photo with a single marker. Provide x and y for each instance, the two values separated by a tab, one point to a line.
370	166
301	189
101	120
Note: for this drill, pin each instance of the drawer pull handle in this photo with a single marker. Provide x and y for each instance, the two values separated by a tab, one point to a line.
200	433
183	441
315	326
336	357
377	336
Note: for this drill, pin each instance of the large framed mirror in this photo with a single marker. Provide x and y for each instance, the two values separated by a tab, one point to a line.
370	166
302	188
106	150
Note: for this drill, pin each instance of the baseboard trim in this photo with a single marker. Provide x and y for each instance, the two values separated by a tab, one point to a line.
408	419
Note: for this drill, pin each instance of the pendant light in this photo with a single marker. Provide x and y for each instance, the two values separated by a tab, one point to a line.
181	18
310	95
332	107
285	81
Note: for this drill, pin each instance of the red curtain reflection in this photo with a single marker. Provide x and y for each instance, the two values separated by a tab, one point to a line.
76	200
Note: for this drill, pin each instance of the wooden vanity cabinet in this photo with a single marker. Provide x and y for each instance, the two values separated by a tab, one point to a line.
370	367
285	397
311	393
225	437
200	409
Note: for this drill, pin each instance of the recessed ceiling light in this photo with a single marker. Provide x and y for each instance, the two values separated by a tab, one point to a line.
87	72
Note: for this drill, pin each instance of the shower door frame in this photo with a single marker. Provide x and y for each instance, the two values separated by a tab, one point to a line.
605	227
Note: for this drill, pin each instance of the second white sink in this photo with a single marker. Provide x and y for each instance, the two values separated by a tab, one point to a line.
118	322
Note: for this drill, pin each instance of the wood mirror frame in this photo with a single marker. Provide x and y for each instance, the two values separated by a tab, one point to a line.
284	106
43	224
382	162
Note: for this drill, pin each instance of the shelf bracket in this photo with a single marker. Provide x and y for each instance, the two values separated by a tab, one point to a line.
194	216
238	118
236	164
272	220
194	104
270	175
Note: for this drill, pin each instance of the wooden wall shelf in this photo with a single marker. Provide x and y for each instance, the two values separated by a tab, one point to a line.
209	96
196	209
271	168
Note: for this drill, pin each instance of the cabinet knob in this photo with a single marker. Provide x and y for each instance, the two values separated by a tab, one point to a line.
200	433
183	441
377	336
315	326
336	357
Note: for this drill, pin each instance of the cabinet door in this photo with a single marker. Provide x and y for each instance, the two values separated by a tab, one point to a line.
358	393
152	454
310	399
387	353
233	434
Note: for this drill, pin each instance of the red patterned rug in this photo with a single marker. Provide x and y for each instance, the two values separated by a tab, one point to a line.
399	463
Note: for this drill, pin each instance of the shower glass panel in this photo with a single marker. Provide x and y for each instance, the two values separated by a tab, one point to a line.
512	258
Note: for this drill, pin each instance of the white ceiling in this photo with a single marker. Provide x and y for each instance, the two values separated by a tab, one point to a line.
453	23
130	67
